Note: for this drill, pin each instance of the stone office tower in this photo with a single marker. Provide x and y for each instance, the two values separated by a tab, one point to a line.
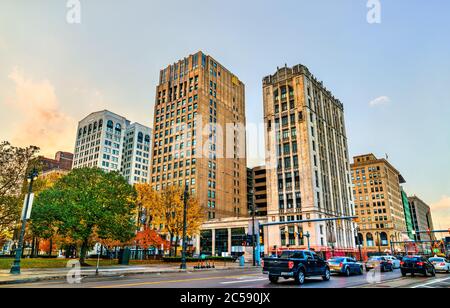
199	134
308	171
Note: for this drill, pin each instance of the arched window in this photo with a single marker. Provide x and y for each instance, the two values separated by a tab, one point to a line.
90	129
118	128
95	127
84	130
80	132
147	139
360	239
110	124
140	137
100	124
369	238
384	239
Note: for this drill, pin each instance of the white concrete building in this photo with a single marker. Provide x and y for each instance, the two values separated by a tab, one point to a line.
110	142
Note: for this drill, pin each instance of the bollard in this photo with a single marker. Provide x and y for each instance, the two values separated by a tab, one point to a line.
242	261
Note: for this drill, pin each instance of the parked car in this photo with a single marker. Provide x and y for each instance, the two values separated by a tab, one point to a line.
440	264
417	265
394	260
297	265
345	266
379	262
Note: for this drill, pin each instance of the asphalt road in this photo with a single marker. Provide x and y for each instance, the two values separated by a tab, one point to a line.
239	278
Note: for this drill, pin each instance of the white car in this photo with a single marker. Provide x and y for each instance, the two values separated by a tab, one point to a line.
440	264
394	260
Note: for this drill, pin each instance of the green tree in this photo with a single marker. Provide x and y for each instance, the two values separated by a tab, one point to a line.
14	164
84	206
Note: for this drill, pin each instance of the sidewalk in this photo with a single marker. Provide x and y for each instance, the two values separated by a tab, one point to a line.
35	275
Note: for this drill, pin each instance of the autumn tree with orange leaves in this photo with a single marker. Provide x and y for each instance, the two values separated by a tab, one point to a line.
165	210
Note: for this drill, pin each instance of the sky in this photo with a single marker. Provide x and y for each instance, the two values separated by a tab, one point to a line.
393	77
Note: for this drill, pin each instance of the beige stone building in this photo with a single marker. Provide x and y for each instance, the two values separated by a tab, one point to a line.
308	171
199	134
378	203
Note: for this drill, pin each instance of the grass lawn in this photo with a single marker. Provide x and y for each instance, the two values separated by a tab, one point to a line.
59	263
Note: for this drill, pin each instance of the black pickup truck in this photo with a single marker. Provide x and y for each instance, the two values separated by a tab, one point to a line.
296	264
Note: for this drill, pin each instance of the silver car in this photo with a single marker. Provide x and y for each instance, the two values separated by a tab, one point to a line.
440	264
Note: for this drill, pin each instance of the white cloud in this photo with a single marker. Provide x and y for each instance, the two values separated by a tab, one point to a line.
41	121
382	100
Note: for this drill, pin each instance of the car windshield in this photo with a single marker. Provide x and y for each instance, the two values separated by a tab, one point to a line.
292	255
437	260
376	259
337	260
414	259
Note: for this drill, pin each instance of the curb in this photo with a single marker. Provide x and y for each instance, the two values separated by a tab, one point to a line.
123	274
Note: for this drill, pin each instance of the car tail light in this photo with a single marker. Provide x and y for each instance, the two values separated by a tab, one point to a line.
341	264
419	263
291	265
402	263
442	264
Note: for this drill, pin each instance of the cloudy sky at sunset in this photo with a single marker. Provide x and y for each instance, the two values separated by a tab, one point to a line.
393	77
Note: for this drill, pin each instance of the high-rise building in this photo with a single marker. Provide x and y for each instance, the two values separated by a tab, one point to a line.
422	219
308	171
110	142
378	203
199	134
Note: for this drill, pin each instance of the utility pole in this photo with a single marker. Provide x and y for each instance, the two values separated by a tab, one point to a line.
183	253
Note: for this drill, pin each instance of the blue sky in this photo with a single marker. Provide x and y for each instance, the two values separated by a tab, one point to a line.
53	73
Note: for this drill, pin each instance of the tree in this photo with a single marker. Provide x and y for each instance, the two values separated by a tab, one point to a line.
169	212
85	205
14	163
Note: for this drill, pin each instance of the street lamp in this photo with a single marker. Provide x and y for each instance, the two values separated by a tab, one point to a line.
15	269
183	253
253	226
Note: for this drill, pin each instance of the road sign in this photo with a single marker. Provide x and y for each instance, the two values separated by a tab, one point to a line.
30	206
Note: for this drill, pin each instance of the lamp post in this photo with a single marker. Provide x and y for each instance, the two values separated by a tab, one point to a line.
15	269
379	243
183	253
253	226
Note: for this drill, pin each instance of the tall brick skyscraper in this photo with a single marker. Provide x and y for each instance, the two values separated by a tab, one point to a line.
199	137
308	171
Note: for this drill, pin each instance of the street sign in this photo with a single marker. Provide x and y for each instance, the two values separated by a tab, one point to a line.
30	206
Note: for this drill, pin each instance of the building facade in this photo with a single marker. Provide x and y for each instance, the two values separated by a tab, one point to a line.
259	185
62	161
408	215
109	141
307	164
378	203
421	218
199	135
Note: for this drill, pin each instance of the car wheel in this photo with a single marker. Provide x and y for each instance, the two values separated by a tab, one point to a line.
327	275
425	272
300	278
433	273
383	268
403	274
361	271
273	279
347	272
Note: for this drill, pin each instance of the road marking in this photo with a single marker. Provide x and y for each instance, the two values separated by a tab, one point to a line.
243	281
430	283
167	281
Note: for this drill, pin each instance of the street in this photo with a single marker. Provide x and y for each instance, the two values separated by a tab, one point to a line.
241	278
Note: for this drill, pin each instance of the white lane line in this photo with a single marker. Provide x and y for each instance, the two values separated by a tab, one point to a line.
430	283
243	281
